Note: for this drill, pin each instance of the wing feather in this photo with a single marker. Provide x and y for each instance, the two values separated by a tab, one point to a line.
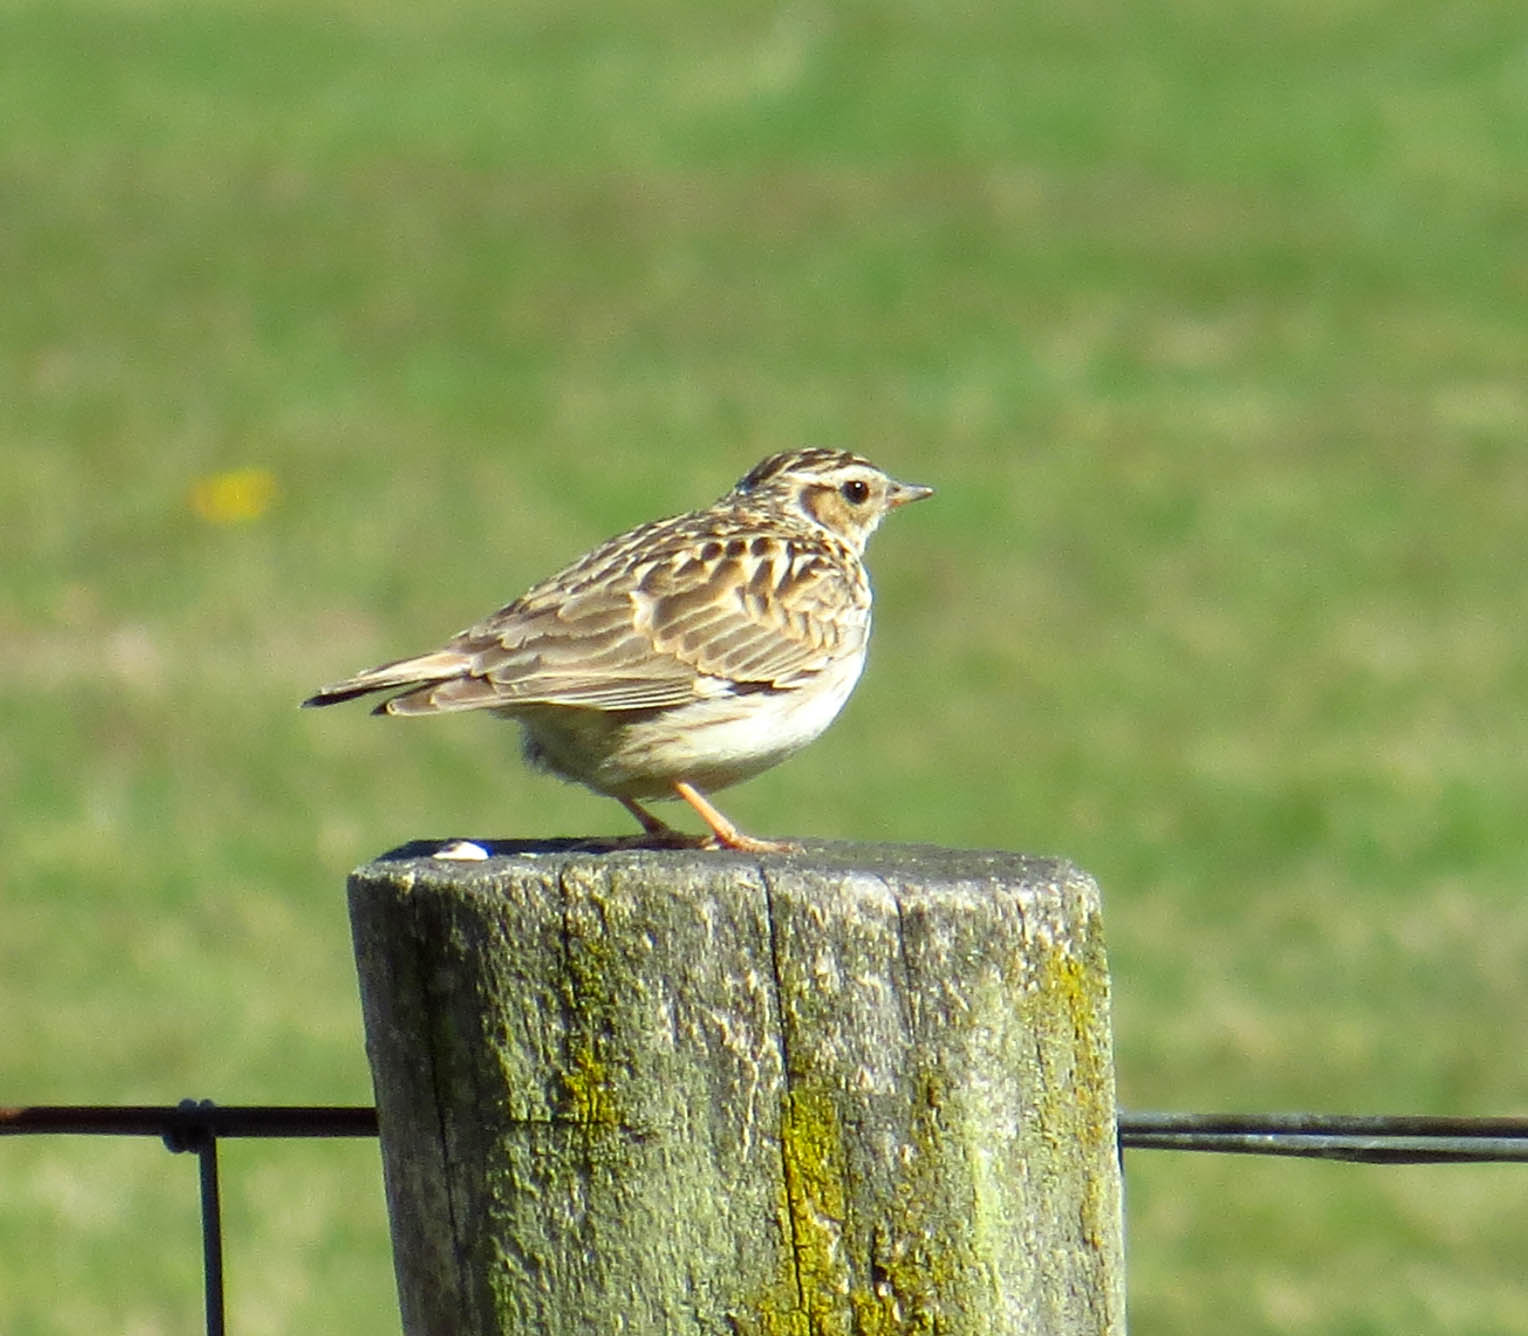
659	617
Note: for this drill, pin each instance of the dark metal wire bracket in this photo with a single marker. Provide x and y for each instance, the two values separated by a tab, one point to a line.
195	1126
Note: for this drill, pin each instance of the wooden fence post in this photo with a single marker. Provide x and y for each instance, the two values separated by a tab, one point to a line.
856	1089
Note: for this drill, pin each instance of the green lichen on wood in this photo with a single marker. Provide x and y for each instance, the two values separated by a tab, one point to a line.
811	1145
923	1254
815	1280
587	1095
1078	1103
919	1253
593	985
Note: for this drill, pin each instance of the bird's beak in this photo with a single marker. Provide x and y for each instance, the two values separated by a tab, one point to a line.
903	492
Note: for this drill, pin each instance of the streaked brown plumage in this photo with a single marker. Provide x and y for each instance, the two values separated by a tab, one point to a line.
686	654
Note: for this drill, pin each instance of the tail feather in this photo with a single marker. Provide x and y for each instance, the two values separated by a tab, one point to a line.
425	670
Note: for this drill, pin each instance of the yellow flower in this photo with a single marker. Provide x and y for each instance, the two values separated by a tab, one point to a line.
235	497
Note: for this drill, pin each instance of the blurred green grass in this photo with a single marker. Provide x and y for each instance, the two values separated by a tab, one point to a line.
1208	322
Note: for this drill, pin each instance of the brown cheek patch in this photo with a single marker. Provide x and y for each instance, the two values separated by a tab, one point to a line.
818	501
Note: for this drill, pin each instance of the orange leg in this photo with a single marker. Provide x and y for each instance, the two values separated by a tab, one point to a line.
656	830
727	836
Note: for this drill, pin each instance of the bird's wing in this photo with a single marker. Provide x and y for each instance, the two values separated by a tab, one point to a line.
659	617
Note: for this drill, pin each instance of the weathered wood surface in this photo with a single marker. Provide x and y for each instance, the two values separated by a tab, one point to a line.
858	1089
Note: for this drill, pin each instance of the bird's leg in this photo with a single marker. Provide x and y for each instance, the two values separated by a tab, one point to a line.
726	835
657	831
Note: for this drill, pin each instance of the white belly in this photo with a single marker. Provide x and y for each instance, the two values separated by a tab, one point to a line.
710	742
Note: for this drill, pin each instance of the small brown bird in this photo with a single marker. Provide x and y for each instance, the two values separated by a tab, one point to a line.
688	654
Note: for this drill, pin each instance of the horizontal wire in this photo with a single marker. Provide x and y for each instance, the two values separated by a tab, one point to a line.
1360	1138
1357	1138
177	1122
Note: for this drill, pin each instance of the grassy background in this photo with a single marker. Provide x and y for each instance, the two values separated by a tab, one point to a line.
1207	321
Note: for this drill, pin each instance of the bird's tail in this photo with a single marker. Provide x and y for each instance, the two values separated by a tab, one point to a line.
427	670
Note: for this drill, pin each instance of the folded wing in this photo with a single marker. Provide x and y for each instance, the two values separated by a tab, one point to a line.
653	619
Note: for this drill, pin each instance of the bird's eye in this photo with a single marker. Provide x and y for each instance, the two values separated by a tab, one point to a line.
855	492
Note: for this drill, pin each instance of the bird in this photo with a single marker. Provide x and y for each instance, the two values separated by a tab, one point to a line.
682	656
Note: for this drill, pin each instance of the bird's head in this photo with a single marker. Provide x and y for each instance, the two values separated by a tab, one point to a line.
833	489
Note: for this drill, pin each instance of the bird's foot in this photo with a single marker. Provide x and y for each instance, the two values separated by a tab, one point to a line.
657	834
724	835
749	844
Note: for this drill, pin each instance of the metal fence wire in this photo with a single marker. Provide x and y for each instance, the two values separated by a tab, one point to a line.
196	1126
